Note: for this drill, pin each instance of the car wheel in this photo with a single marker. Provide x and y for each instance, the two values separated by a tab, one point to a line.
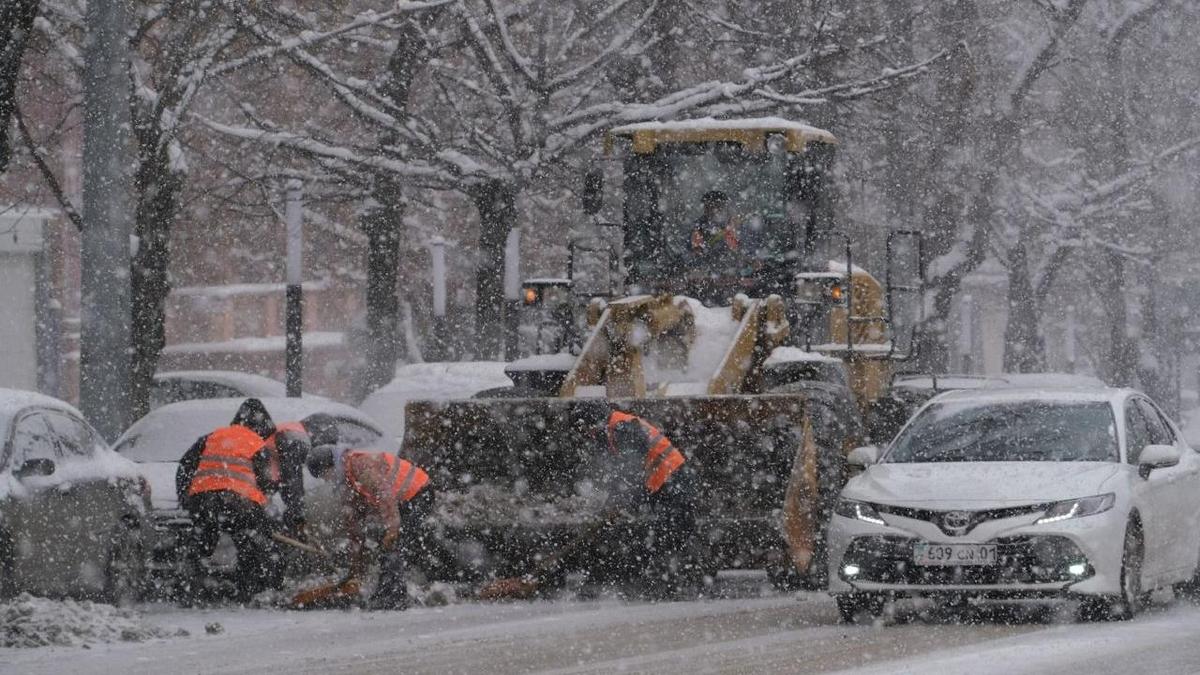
854	607
1190	589
1129	602
125	568
8	582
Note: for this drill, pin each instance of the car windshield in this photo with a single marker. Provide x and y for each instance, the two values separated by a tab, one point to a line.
1018	431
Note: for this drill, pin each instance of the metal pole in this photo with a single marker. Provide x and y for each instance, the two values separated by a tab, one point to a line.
294	215
437	253
1070	338
966	337
512	291
105	332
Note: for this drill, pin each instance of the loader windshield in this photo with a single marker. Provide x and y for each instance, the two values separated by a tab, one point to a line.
754	215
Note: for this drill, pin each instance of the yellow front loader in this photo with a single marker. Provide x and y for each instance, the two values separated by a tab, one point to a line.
763	382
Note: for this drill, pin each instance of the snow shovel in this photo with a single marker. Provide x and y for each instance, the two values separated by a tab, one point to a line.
330	596
526	586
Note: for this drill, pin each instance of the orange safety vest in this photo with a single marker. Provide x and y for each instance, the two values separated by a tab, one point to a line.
379	476
227	464
286	427
729	234
662	459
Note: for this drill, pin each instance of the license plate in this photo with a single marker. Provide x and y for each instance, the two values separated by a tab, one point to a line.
926	553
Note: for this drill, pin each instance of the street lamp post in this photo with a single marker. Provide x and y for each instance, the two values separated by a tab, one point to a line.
294	313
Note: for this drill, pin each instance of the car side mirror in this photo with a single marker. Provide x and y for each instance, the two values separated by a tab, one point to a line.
35	467
1157	457
863	456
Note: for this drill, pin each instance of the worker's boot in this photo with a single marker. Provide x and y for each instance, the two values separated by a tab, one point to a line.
392	590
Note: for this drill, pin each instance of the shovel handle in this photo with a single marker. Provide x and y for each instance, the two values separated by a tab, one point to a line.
296	543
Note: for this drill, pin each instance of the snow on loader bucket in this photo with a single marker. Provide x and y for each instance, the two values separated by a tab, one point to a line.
514	475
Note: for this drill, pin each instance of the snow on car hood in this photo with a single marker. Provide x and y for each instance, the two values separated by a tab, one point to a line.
102	465
980	484
161	476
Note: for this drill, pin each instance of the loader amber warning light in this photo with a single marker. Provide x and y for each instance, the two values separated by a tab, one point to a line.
835	292
531	296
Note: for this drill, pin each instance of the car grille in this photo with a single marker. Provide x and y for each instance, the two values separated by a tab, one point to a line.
1022	560
973	518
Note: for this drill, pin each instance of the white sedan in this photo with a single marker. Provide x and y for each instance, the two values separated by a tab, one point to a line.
1087	494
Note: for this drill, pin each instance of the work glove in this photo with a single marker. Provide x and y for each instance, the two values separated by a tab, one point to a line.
390	538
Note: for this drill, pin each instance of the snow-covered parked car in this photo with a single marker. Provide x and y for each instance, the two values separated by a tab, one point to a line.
157	442
435	380
188	385
72	512
1088	494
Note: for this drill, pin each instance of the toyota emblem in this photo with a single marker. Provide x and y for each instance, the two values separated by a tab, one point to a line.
956	522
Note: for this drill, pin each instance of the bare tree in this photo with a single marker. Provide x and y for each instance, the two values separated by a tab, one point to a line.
16	21
518	89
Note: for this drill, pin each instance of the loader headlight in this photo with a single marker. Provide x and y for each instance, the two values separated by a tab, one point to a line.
1077	508
855	510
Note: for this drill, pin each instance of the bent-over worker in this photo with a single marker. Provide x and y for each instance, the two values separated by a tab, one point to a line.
645	474
382	487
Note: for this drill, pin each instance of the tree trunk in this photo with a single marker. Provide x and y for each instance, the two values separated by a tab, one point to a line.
1024	350
384	226
496	204
158	203
104	339
16	20
1118	360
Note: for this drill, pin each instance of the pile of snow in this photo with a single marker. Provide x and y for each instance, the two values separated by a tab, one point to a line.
715	329
28	621
493	505
431	381
782	355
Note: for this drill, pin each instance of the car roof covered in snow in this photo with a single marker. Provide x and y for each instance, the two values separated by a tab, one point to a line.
1002	381
248	383
13	401
1049	394
165	433
426	381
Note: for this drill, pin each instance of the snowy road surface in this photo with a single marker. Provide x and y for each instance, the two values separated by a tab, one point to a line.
780	634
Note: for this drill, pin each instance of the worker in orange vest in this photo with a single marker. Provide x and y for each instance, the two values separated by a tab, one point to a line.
289	446
390	490
222	481
646	477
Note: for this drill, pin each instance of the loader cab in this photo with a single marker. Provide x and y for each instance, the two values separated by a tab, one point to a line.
771	177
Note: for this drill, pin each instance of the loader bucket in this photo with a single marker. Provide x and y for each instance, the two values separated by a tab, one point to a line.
512	474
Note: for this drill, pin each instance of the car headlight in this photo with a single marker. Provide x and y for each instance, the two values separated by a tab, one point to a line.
855	510
1077	508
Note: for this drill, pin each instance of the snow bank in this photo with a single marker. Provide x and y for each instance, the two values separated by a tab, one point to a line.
28	621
